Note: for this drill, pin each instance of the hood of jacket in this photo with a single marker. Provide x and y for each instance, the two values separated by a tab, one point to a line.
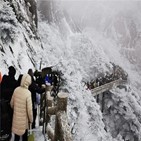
26	81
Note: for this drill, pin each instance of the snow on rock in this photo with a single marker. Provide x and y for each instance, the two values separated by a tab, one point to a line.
80	57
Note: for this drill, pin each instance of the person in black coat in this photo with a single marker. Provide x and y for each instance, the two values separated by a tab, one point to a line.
34	88
8	84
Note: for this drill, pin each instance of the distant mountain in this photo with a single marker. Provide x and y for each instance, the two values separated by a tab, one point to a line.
124	29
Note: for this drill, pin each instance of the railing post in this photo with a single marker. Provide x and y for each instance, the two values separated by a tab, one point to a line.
62	130
48	103
62	101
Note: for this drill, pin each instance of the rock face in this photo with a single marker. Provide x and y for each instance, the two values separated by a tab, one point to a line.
33	10
18	39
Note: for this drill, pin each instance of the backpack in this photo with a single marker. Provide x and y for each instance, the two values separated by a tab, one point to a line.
51	78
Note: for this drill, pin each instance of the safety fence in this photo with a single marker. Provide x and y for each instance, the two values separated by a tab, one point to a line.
107	86
99	92
56	106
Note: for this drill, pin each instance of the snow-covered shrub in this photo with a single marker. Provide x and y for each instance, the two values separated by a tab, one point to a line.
90	56
122	115
8	23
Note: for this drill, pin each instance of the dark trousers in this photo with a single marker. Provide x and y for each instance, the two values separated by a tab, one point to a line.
34	118
24	137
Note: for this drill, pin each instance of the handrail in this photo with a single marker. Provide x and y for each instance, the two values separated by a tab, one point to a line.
62	130
107	86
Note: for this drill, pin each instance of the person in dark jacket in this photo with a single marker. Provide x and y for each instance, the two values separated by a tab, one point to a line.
19	79
34	88
8	84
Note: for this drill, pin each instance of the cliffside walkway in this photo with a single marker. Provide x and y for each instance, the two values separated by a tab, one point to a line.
107	86
53	112
58	107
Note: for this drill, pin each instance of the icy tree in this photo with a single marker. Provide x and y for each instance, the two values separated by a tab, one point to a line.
122	114
51	11
8	23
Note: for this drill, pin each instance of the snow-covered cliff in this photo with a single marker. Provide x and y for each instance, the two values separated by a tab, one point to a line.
81	53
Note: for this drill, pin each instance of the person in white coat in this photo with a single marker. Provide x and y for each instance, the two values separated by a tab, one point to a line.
22	109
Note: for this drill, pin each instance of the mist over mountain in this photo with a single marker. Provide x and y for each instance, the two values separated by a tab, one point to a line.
81	39
118	20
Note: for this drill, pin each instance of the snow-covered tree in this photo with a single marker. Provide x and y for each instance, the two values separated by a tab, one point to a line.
122	114
8	23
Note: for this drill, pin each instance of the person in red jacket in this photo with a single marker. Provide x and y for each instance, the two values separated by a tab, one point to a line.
0	84
0	77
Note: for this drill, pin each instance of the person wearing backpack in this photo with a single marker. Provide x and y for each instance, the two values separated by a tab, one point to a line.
48	79
21	104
